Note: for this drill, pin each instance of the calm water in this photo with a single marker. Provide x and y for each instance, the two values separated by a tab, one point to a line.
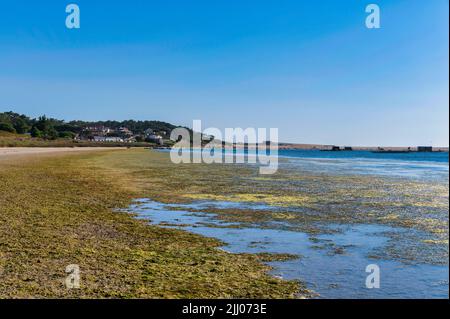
409	165
439	157
423	165
332	265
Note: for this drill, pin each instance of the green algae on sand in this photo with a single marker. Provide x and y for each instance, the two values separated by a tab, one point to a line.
57	210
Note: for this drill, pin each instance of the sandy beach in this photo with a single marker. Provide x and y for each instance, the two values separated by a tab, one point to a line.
16	151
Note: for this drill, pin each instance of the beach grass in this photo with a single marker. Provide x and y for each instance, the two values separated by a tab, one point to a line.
62	209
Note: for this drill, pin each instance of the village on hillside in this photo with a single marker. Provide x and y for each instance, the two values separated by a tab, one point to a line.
102	133
21	127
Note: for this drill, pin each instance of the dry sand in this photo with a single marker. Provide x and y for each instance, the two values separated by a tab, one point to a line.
15	151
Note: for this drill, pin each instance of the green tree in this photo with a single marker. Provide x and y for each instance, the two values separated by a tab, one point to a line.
5	126
66	134
35	132
20	122
51	133
46	126
20	125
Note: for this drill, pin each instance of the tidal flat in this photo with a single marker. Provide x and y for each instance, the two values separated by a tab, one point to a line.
331	265
67	209
300	199
61	209
398	221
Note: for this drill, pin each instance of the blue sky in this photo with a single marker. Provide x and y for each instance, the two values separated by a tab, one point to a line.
310	68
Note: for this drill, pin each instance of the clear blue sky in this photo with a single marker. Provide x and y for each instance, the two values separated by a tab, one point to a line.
310	68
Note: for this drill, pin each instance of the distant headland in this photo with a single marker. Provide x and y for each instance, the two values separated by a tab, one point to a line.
22	130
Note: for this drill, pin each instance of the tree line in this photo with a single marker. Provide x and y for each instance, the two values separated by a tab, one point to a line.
51	128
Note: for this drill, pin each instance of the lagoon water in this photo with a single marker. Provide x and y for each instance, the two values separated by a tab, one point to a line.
421	165
332	265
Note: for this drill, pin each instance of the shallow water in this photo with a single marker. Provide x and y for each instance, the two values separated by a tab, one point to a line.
332	265
414	165
387	167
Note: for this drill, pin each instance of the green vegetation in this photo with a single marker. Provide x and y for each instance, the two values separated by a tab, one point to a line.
7	127
57	210
15	140
300	200
43	131
51	128
14	123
